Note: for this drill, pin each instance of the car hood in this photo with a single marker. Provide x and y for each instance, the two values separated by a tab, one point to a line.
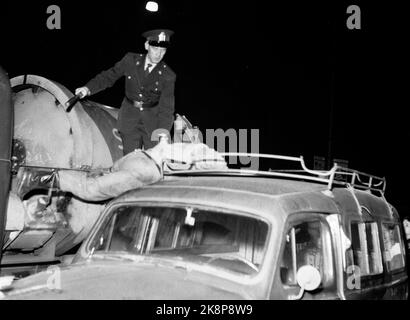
116	280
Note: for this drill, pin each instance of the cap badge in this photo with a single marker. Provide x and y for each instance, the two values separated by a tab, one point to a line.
162	36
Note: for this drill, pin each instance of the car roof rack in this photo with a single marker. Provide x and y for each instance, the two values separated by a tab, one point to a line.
336	176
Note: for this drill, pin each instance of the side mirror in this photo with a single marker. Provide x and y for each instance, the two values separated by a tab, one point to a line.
308	278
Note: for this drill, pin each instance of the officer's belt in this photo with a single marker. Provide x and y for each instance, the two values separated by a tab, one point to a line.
142	105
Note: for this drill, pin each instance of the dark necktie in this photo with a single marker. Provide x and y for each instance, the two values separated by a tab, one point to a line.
149	65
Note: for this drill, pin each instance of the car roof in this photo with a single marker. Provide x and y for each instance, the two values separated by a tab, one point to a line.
265	197
244	184
339	190
261	185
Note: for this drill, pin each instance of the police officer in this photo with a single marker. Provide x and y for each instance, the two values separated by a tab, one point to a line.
149	100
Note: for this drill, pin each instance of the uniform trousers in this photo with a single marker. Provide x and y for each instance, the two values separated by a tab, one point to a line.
136	126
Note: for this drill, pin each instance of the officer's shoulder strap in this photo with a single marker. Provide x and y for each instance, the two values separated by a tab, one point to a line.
167	70
135	56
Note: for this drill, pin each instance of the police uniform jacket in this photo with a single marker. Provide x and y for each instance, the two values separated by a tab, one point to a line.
155	91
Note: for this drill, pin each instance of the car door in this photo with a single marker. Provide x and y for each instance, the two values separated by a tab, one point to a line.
364	271
306	241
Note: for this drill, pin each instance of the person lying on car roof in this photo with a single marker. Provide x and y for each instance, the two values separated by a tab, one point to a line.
134	170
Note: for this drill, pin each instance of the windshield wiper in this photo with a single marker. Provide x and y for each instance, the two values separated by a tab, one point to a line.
119	256
234	258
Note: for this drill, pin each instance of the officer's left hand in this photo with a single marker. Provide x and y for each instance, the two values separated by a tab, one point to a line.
82	92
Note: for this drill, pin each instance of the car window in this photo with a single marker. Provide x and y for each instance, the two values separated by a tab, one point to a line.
306	243
230	241
393	247
365	252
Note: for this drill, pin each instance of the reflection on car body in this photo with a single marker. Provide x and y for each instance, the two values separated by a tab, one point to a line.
241	235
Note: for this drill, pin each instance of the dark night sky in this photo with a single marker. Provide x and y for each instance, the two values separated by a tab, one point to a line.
245	65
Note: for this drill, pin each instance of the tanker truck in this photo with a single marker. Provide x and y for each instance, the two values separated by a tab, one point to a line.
39	130
44	134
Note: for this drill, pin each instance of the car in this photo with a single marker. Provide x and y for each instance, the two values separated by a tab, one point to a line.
238	234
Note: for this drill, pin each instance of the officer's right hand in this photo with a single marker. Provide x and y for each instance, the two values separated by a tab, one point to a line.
82	92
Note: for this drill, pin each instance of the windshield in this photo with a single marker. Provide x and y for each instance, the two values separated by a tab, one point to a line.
229	241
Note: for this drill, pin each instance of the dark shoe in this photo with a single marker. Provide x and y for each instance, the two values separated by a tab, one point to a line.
36	178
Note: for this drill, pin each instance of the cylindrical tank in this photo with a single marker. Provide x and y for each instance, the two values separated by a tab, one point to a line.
84	138
6	133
